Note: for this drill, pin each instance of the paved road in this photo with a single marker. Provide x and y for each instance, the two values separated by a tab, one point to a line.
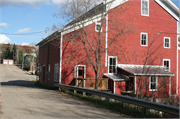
22	100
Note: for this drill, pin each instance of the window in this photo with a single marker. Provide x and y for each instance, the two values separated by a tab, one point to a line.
145	7
112	64
166	42
153	83
98	27
144	39
49	72
166	64
56	72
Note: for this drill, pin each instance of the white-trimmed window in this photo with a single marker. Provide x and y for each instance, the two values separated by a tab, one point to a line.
166	64
56	72
98	27
112	68
166	42
153	81
144	39
145	7
49	71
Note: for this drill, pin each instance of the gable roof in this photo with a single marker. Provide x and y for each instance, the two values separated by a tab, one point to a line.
167	5
49	38
94	11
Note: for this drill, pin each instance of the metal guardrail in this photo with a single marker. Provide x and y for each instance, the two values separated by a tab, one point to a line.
151	105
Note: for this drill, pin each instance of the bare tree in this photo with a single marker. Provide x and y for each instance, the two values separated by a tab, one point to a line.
92	42
151	56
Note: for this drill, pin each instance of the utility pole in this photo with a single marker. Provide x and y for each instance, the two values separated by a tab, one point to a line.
23	61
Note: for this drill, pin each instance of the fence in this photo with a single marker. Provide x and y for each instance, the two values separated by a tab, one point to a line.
90	83
147	104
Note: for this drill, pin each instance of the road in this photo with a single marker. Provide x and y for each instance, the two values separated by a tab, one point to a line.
22	100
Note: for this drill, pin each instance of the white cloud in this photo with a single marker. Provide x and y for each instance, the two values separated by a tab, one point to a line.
33	3
25	44
23	2
4	25
57	2
4	39
25	30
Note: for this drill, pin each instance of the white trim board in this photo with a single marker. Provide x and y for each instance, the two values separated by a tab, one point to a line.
177	63
168	10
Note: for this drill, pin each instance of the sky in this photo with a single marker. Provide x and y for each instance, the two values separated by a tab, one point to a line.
29	21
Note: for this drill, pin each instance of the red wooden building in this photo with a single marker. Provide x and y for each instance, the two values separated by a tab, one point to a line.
143	59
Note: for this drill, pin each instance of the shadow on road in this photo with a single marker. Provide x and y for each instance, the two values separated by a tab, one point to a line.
22	83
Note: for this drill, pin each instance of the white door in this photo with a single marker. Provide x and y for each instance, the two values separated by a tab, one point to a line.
5	62
11	62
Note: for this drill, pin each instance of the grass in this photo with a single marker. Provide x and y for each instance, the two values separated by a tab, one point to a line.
118	107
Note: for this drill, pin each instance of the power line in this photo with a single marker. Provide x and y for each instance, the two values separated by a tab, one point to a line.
22	34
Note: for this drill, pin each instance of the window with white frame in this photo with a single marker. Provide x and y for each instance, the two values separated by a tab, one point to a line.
98	27
112	64
144	39
49	72
166	64
153	83
166	42
145	7
56	72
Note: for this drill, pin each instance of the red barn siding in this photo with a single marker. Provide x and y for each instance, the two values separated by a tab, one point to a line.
49	54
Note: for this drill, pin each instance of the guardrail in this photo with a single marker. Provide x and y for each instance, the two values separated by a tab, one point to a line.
147	104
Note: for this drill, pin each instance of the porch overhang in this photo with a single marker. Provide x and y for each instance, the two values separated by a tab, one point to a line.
116	77
145	70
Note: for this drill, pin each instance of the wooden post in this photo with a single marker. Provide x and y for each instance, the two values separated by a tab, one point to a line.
75	91
154	99
84	93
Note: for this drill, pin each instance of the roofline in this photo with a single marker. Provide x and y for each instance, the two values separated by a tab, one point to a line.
139	74
173	5
170	3
49	38
133	65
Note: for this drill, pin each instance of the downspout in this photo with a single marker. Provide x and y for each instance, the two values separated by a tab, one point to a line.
106	45
60	62
106	42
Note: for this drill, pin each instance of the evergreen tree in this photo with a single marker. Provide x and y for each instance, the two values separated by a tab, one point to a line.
13	53
20	56
8	52
26	63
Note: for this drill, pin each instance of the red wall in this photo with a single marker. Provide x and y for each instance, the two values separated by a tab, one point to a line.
126	46
120	86
162	87
158	20
49	54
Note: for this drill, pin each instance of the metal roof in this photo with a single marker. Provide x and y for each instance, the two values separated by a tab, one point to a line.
145	70
117	77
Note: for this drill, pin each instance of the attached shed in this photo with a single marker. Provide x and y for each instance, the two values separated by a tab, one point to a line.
117	83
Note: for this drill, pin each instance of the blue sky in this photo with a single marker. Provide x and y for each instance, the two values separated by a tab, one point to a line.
29	16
